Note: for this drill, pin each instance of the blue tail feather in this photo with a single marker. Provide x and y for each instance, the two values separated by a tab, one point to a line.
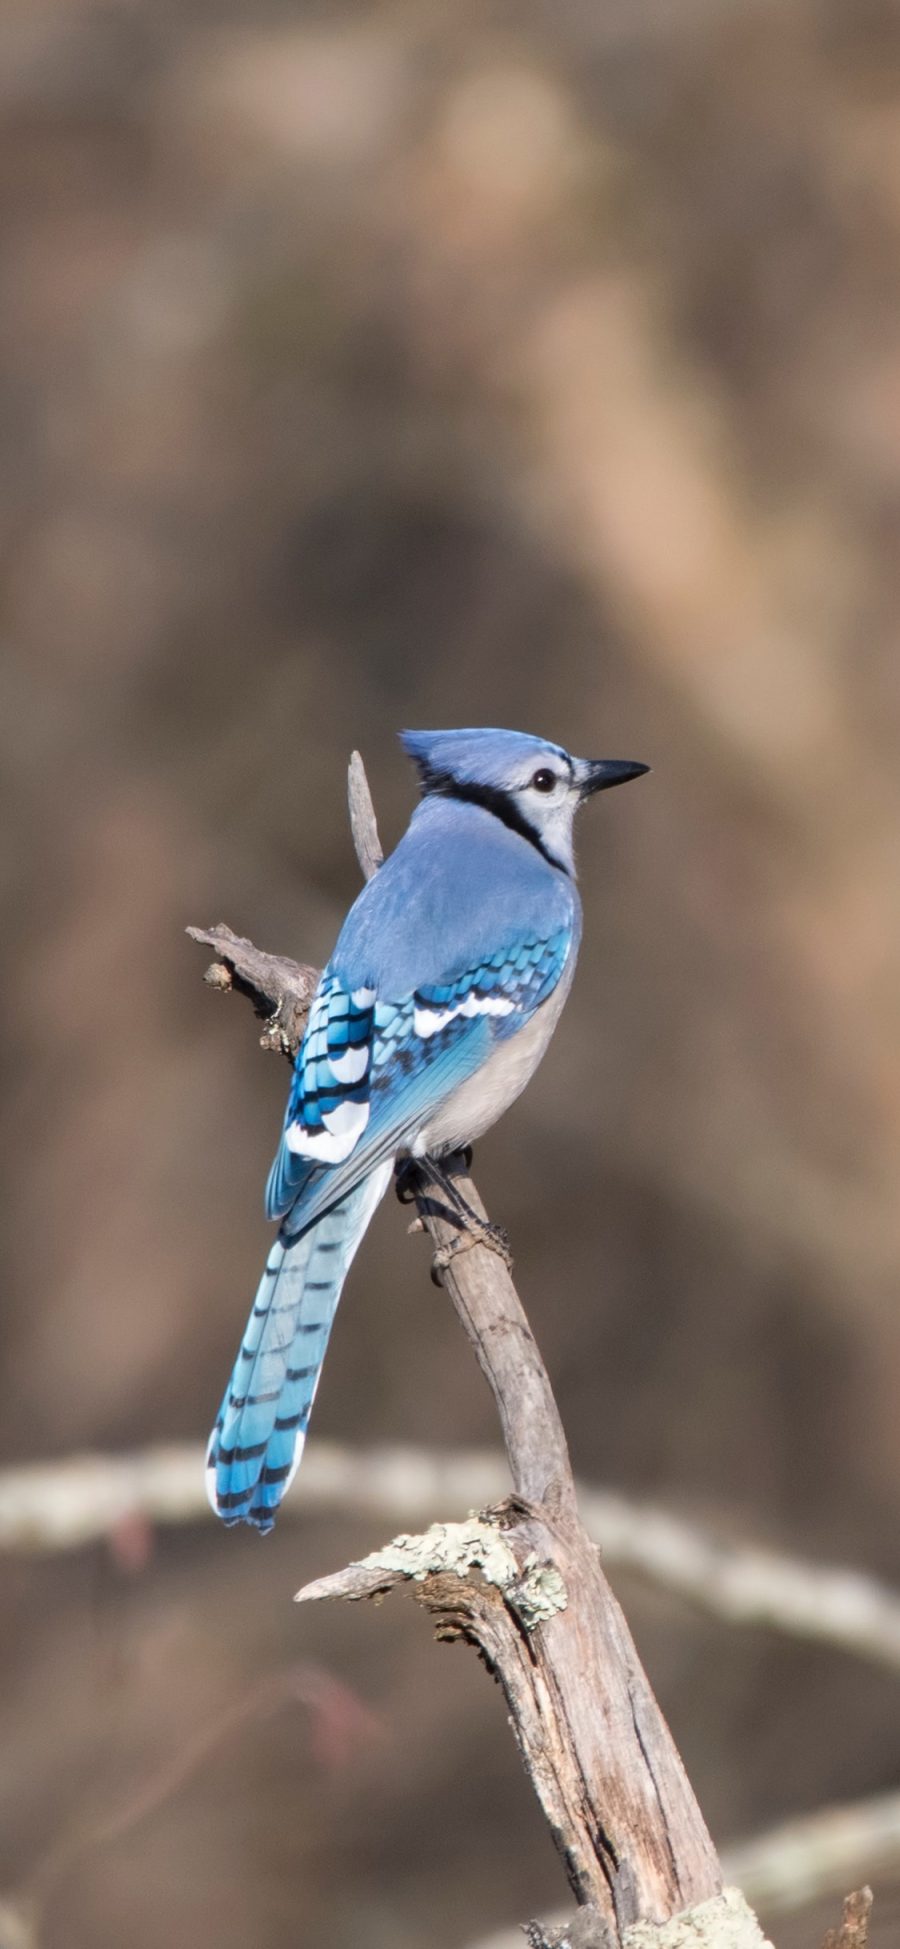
257	1441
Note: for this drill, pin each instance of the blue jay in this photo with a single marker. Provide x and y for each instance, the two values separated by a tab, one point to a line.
438	1002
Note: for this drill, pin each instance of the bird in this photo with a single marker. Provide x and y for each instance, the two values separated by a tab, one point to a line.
439	1000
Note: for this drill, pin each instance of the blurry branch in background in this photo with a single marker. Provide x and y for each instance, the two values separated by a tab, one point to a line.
799	1862
818	1854
339	1725
64	1505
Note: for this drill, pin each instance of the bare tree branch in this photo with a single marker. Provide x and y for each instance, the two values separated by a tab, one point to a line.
280	990
64	1505
363	824
596	1746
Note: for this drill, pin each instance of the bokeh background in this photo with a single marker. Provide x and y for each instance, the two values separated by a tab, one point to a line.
380	364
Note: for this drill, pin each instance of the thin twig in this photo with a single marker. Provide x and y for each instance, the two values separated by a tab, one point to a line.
339	1723
280	990
363	823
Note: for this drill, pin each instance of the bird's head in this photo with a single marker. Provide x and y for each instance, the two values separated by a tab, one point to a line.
533	786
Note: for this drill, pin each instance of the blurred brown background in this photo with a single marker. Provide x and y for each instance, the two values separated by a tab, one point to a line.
381	364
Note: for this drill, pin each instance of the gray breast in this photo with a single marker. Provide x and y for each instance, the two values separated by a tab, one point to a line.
478	1102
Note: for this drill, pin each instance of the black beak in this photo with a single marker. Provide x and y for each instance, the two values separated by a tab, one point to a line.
601	773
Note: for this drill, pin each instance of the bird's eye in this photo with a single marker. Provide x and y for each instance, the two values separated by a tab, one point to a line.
544	781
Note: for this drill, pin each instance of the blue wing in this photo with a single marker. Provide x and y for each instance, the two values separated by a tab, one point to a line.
371	1070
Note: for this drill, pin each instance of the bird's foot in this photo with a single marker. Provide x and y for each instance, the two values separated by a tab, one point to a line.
472	1231
417	1176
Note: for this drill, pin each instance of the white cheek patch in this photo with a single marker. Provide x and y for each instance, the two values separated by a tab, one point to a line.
427	1021
343	1128
349	1067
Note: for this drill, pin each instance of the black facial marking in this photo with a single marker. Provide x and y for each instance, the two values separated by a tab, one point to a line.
493	799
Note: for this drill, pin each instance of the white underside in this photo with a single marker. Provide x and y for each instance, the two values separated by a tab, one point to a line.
484	1097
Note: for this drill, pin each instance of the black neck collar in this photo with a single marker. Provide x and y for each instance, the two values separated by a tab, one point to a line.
492	799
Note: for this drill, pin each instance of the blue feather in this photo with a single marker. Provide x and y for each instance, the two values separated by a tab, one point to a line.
259	1433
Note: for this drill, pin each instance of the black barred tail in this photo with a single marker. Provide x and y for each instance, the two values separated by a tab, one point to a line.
257	1442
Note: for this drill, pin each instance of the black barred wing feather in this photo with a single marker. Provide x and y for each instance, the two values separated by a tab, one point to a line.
509	987
328	1107
371	1071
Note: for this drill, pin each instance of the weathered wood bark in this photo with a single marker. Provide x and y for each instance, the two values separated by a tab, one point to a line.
524	1583
592	1736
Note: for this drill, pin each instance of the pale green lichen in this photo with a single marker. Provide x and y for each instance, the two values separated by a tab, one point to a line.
538	1593
534	1590
724	1922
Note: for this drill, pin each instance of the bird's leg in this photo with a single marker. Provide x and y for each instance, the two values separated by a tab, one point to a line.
409	1179
412	1174
445	1180
416	1174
